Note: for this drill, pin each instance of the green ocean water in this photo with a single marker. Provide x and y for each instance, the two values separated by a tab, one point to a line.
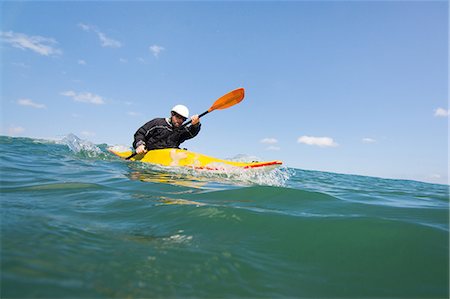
77	222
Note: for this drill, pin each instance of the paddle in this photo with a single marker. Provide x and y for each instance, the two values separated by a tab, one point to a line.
230	99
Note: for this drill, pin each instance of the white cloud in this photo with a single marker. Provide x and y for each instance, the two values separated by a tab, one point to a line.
318	141
441	112
155	49
38	44
14	130
108	42
104	40
269	140
272	142
131	113
368	140
81	62
84	97
30	103
84	27
273	148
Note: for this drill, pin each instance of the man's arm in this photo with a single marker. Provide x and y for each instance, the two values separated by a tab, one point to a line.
140	137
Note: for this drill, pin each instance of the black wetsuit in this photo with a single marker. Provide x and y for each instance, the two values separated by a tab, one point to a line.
159	133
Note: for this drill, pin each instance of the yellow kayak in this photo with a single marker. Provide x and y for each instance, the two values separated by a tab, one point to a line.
184	158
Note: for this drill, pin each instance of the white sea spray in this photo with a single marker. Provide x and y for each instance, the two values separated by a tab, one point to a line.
81	146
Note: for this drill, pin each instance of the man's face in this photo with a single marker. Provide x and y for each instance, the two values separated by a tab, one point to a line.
177	120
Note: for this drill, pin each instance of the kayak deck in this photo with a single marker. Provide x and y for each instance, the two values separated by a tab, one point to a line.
184	158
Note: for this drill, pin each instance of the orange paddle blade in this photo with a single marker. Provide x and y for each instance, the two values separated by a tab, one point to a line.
232	98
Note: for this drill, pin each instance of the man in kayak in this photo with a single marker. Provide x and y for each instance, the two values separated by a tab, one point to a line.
166	132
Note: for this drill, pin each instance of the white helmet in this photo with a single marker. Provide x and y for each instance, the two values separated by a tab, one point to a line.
181	110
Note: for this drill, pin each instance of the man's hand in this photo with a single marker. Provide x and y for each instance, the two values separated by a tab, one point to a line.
195	119
141	149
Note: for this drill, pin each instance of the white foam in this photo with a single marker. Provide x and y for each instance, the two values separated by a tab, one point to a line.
229	175
120	148
78	145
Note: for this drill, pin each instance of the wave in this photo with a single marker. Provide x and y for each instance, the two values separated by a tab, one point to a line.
77	221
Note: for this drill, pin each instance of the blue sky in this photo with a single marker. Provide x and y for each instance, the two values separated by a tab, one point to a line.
349	87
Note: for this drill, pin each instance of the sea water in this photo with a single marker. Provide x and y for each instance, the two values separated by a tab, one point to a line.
78	222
